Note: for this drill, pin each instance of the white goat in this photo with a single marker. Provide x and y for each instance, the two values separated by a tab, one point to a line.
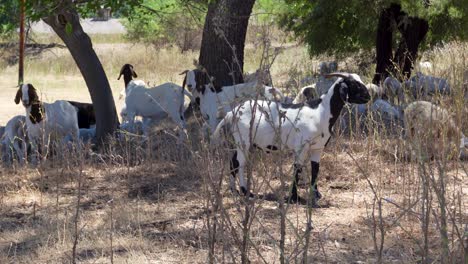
156	103
14	141
303	128
215	102
431	130
152	104
46	122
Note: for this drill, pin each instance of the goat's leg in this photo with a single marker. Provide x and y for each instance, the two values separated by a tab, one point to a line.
234	167
315	166
241	158
19	151
298	165
294	197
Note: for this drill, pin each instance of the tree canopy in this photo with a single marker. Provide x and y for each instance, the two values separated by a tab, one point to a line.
8	17
343	26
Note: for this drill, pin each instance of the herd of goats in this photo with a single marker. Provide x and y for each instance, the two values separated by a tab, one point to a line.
252	113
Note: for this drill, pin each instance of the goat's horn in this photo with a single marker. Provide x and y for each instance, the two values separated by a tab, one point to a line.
184	72
338	74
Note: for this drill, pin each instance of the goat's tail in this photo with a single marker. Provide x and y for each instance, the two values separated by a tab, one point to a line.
225	123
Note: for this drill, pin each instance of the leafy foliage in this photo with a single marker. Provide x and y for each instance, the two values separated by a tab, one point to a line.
37	9
8	17
344	26
170	21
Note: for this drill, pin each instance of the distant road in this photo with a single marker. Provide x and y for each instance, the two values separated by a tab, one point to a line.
111	26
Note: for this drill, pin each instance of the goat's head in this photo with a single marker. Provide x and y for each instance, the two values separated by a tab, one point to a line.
128	72
27	94
351	88
196	81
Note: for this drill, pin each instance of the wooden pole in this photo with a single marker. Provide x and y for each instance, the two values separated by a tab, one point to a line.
21	45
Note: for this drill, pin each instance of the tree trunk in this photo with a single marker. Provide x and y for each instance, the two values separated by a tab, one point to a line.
413	33
222	48
384	43
66	24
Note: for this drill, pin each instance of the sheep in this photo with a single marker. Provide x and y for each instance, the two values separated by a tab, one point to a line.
431	130
302	128
14	141
86	115
422	85
46	122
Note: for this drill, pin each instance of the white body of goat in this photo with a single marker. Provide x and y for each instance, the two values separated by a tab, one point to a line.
46	122
215	104
302	128
431	130
156	103
14	140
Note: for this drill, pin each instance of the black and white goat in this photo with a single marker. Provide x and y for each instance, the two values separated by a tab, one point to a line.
302	128
215	101
86	115
14	143
46	122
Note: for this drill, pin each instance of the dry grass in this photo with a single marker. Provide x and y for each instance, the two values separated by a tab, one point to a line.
156	205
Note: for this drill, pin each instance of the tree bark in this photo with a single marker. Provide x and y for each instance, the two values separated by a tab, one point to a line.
222	48
384	43
413	33
67	25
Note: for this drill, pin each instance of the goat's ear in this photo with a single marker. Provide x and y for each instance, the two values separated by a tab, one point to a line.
344	91
121	72
134	74
32	92
18	96
184	72
183	83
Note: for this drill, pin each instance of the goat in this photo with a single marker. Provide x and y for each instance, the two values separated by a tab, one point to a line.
44	121
14	141
303	128
156	103
86	115
393	90
215	103
424	85
432	130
